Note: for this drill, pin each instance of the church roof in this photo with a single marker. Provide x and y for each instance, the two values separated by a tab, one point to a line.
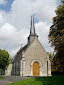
23	49
20	50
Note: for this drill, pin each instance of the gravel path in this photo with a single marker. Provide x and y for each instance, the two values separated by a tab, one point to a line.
10	79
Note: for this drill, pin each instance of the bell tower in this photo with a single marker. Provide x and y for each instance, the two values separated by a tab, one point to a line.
32	30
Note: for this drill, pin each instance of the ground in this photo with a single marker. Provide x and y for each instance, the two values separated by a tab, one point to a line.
17	80
10	79
53	80
1	78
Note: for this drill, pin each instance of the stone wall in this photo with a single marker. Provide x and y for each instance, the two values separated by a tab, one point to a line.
23	62
9	69
35	52
17	64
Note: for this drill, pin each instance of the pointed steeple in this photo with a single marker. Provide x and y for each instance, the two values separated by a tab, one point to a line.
32	29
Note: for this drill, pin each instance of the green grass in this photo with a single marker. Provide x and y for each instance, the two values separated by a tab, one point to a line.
1	78
53	80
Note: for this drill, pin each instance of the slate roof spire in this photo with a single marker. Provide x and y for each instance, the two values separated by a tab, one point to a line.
32	29
32	34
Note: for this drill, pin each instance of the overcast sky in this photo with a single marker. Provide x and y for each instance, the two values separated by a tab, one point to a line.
15	17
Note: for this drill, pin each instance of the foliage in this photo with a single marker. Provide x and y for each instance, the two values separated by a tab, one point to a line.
4	59
56	34
58	62
51	55
53	80
56	38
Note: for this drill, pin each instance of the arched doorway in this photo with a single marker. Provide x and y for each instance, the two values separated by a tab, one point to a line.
35	69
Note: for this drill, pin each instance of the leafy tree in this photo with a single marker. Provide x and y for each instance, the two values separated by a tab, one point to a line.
58	61
4	59
56	38
51	55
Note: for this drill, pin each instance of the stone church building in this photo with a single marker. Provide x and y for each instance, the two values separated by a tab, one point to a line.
32	59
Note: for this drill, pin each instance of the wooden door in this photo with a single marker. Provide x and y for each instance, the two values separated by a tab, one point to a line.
35	69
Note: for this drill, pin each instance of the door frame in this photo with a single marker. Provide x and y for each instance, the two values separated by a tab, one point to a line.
40	66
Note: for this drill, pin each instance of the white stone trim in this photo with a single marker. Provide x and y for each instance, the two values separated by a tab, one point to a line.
22	67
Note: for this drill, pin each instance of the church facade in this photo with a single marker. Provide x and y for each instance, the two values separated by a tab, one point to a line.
32	59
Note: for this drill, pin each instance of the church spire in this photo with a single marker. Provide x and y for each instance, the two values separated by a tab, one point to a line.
32	29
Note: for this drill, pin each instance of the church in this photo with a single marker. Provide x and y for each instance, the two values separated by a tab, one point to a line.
32	59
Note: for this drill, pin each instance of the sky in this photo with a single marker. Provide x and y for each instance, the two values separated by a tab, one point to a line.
15	19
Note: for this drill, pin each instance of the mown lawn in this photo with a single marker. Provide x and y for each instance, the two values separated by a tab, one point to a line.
1	78
53	80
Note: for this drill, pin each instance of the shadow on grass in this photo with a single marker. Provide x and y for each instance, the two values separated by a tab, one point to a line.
53	80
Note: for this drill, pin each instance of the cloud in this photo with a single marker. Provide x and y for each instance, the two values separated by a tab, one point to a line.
1	18
42	29
11	39
22	10
14	25
3	2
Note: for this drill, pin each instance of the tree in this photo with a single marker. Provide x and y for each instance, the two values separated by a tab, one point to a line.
51	55
56	38
4	59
